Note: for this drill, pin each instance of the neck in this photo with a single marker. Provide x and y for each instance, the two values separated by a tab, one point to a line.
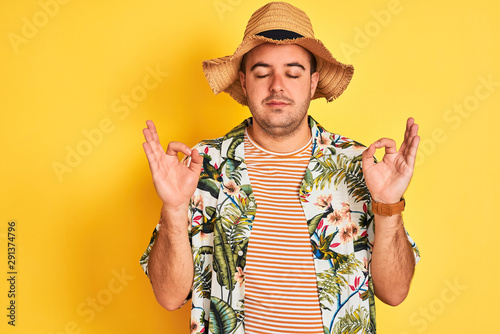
281	143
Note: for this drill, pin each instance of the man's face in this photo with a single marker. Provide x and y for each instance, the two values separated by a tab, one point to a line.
278	85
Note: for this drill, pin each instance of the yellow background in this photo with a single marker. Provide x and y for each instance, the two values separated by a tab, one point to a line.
79	229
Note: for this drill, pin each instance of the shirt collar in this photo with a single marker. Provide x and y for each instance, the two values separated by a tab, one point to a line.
233	142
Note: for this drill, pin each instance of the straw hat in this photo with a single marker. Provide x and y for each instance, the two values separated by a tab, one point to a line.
278	23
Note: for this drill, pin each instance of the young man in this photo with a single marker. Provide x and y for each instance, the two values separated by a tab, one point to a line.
280	226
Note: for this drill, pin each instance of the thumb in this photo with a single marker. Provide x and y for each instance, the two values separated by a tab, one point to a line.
196	162
367	157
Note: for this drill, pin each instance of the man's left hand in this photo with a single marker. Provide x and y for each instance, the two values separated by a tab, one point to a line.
388	179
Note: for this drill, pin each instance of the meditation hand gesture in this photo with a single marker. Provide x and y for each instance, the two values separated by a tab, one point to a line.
175	181
388	180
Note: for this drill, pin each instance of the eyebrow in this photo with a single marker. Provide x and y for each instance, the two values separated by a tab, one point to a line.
260	64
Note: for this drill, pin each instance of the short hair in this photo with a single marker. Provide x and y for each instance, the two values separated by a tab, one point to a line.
312	61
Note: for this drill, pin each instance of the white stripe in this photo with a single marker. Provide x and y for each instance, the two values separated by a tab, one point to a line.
286	260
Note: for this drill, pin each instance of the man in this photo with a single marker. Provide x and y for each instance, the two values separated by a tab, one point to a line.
280	226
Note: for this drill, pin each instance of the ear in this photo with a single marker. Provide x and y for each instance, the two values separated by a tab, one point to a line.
243	82
314	82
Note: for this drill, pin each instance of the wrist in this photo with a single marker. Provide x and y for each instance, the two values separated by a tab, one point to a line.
388	209
174	215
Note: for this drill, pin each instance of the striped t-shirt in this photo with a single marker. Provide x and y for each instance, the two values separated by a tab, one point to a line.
281	294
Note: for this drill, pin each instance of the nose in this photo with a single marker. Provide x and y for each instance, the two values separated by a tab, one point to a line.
277	84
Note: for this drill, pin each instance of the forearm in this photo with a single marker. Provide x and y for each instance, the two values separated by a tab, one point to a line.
171	262
393	261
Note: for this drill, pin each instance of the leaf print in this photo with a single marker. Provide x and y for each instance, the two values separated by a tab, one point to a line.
232	147
202	280
210	171
222	317
323	251
223	259
364	295
237	219
332	150
327	169
210	210
361	244
237	132
365	220
345	170
308	177
215	143
231	166
206	250
371	301
354	321
209	185
333	280
355	180
247	189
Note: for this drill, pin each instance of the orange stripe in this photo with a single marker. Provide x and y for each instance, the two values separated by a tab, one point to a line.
279	298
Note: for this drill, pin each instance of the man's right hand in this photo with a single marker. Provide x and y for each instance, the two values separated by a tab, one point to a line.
170	264
175	181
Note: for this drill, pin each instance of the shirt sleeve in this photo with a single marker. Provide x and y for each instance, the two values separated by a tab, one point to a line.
145	257
416	252
144	261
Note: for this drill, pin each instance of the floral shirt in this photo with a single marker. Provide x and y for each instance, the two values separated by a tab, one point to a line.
337	207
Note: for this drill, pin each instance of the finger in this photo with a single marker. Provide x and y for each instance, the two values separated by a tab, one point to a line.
412	133
152	161
148	136
409	123
388	144
175	147
152	135
412	151
367	157
155	146
152	129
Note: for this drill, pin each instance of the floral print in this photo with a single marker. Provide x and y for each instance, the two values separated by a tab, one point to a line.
337	207
239	276
231	188
323	200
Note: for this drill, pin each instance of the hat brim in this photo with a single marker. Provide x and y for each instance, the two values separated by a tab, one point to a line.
223	73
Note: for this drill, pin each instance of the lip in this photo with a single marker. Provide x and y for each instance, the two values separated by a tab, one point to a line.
276	103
